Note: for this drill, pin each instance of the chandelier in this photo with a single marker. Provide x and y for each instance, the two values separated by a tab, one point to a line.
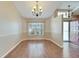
70	12
37	10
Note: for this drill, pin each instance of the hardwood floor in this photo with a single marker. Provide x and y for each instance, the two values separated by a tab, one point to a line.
36	49
44	49
70	50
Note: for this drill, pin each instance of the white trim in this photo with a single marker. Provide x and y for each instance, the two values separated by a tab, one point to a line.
34	39
75	9
29	39
45	39
55	43
11	49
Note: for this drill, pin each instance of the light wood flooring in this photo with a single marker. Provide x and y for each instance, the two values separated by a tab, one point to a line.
43	49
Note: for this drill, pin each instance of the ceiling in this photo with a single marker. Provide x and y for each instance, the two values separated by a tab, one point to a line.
25	7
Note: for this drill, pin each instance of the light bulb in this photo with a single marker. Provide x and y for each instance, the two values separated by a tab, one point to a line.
40	7
32	10
34	7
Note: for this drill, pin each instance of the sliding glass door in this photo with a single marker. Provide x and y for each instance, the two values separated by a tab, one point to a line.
66	30
71	31
74	32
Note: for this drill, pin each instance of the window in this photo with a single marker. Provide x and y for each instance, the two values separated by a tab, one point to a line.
36	29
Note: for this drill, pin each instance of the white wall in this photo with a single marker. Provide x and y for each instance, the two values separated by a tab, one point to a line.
56	30
25	27
10	27
53	29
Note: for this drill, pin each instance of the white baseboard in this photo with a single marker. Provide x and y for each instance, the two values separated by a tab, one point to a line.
45	39
35	39
11	49
55	43
28	39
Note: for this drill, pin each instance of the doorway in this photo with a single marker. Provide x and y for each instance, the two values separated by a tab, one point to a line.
66	31
71	31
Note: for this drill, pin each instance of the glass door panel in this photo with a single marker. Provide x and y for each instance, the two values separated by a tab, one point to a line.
74	32
66	31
